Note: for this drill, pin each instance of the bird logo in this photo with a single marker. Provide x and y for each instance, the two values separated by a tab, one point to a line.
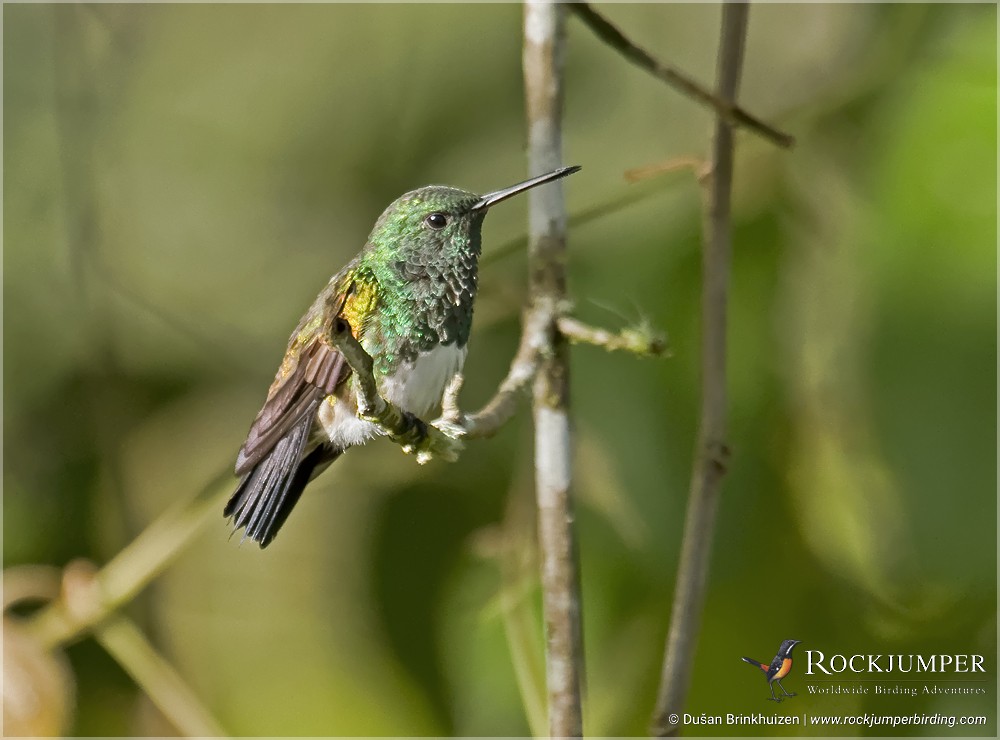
778	669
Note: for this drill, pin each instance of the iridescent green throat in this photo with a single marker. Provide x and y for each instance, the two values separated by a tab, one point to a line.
424	298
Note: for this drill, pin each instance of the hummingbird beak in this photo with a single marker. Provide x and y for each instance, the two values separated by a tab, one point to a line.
491	199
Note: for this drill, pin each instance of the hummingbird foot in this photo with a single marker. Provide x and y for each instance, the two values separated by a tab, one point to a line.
441	442
430	441
413	424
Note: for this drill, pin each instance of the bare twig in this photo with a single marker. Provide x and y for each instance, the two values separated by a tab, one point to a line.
129	647
726	109
640	340
697	165
711	453
544	42
498	410
157	677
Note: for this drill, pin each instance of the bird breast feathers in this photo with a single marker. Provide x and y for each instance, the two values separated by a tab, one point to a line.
417	386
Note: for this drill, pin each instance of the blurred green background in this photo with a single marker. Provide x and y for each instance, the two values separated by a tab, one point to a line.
180	181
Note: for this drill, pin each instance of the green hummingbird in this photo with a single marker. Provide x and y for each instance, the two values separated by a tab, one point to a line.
408	298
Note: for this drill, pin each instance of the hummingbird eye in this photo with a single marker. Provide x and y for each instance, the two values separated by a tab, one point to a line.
436	220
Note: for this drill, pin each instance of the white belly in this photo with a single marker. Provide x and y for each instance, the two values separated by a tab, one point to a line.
416	387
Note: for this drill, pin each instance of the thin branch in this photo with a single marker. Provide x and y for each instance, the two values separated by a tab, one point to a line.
724	108
157	677
697	165
442	437
129	647
640	340
544	48
498	410
132	569
711	453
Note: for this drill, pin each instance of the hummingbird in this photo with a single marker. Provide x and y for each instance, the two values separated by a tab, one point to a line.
408	297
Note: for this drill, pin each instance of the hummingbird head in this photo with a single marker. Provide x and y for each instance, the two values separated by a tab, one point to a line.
438	222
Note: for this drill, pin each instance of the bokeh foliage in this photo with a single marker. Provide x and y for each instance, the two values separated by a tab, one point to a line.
179	182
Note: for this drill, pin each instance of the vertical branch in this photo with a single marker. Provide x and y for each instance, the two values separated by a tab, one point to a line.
711	452
544	41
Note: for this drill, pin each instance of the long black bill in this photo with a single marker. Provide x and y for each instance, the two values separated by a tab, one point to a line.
491	199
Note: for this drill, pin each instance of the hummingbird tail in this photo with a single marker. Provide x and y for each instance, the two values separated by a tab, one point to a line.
268	493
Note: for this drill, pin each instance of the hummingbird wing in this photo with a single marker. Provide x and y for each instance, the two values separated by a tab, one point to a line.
312	370
279	457
295	395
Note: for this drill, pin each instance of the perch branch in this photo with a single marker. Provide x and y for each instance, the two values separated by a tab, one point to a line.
640	340
499	409
711	453
544	48
724	108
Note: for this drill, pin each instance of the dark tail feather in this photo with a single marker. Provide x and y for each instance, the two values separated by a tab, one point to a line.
756	663
269	492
